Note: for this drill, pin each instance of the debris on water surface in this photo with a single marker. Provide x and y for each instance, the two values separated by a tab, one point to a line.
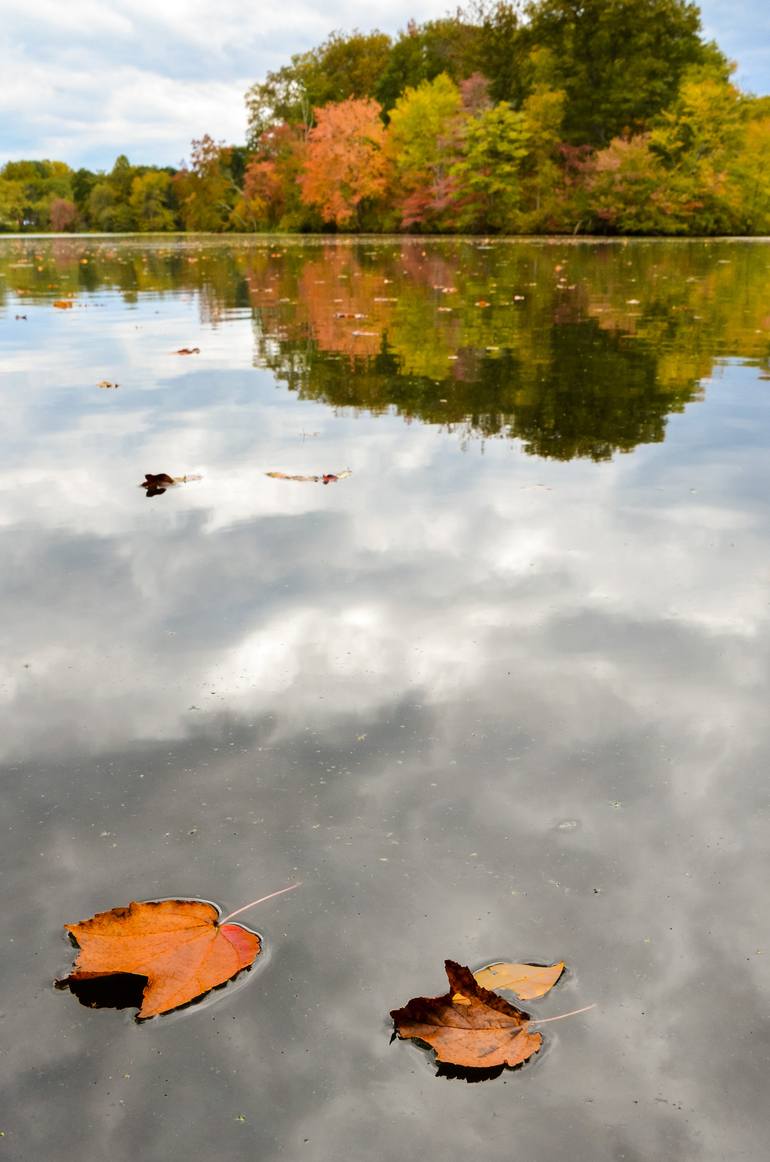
157	483
325	478
527	981
469	1028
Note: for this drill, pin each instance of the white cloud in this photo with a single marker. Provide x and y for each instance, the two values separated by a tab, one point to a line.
86	81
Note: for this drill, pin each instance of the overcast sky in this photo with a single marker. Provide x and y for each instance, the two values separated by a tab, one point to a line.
84	80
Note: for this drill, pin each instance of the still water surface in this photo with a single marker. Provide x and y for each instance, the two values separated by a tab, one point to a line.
500	693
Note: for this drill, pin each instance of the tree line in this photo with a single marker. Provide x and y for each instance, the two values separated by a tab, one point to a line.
557	116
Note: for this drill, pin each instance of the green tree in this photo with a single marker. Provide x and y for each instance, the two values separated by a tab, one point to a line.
83	181
423	141
348	66
344	66
702	125
750	178
422	52
106	211
150	201
488	175
41	182
619	61
503	51
12	203
542	172
697	140
121	177
206	192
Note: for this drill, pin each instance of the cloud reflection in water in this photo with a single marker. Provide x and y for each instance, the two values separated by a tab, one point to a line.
399	691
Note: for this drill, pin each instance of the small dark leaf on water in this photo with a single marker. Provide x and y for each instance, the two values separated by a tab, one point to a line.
152	478
469	1028
157	483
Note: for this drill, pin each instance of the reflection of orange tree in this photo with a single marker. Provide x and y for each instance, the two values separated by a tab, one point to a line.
527	360
579	349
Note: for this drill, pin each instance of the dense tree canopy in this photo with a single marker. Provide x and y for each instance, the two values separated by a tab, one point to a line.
619	62
608	116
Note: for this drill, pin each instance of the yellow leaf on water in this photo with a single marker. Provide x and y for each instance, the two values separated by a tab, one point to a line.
526	980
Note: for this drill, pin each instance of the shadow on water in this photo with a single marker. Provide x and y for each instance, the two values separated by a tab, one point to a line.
119	990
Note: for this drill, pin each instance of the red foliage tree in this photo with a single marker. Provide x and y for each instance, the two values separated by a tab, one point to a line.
63	214
270	184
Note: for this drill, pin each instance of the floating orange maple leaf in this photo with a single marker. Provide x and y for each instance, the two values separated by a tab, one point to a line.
180	946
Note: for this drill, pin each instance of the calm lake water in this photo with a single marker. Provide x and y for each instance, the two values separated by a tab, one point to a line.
502	693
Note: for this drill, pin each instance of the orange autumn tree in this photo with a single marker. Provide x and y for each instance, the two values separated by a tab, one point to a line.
345	164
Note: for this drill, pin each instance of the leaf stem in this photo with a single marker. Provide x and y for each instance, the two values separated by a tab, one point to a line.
261	900
573	1013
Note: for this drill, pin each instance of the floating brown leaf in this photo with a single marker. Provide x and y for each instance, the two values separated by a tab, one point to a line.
178	945
469	1027
157	483
188	351
326	478
528	981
